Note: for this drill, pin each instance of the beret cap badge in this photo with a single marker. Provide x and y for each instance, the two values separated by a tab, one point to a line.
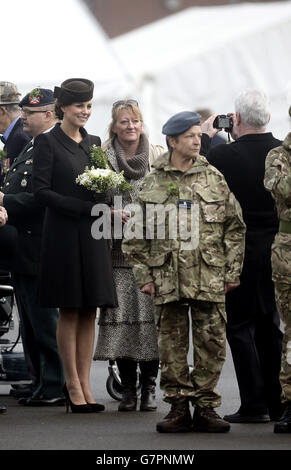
38	97
34	96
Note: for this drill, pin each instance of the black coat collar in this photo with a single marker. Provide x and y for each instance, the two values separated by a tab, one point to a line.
255	137
69	143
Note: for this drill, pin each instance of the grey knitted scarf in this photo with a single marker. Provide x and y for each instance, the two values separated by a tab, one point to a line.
134	167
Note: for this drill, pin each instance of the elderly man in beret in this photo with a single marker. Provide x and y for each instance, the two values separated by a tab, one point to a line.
11	128
188	270
38	323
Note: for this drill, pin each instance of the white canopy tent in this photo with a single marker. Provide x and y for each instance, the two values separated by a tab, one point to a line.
202	57
48	42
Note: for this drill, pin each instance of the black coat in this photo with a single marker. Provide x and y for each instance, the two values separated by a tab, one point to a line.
75	269
16	141
24	213
8	245
243	165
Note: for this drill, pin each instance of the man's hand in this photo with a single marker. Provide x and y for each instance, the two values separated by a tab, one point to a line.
3	216
230	286
207	126
1	198
233	131
149	289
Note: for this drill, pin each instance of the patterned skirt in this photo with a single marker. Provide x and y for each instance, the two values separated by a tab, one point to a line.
128	331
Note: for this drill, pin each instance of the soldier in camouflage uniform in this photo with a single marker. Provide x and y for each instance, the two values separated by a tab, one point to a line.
181	273
278	181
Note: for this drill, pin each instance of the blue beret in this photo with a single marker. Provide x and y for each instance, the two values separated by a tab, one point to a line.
38	97
181	122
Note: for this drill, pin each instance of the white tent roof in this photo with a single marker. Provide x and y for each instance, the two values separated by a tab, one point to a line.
48	42
204	56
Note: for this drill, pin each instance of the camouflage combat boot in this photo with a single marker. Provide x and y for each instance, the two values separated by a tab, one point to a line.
207	420
178	420
284	423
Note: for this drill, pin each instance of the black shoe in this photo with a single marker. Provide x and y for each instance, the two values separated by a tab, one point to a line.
56	401
129	397
276	412
96	407
207	420
21	392
178	420
128	402
284	424
148	395
3	409
240	417
75	408
23	400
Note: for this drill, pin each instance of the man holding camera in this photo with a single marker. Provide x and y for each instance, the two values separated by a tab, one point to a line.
252	319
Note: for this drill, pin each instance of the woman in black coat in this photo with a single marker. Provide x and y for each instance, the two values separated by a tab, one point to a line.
75	273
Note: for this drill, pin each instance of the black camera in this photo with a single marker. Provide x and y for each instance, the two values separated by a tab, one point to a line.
223	122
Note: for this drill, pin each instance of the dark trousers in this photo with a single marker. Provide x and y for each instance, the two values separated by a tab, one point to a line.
128	370
38	330
256	345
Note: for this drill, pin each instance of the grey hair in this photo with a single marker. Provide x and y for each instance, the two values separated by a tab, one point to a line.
253	107
12	108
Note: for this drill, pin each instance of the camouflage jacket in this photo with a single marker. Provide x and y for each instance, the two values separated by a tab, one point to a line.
278	181
278	177
194	265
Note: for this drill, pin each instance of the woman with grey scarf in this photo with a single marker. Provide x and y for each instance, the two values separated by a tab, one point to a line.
127	334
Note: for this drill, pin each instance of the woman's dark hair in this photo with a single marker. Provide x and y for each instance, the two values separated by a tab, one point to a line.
58	111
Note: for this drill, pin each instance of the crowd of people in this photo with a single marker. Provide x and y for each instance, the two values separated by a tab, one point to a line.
230	273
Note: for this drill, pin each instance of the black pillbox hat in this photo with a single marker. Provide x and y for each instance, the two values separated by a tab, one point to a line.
74	90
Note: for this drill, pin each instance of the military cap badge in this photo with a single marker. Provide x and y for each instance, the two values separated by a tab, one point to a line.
34	96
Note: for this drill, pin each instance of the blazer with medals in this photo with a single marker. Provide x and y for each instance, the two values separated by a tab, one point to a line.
24	212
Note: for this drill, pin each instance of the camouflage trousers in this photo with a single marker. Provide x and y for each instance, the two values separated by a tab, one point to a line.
209	345
283	299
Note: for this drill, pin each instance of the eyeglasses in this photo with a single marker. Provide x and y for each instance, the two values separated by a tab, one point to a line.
120	102
27	112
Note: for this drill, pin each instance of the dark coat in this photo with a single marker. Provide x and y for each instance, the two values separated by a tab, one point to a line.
24	213
75	269
16	141
8	245
243	165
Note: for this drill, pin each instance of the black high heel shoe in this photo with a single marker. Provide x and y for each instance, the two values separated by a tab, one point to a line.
75	408
96	407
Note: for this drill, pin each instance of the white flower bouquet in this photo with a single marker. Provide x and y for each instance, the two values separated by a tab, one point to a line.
100	178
